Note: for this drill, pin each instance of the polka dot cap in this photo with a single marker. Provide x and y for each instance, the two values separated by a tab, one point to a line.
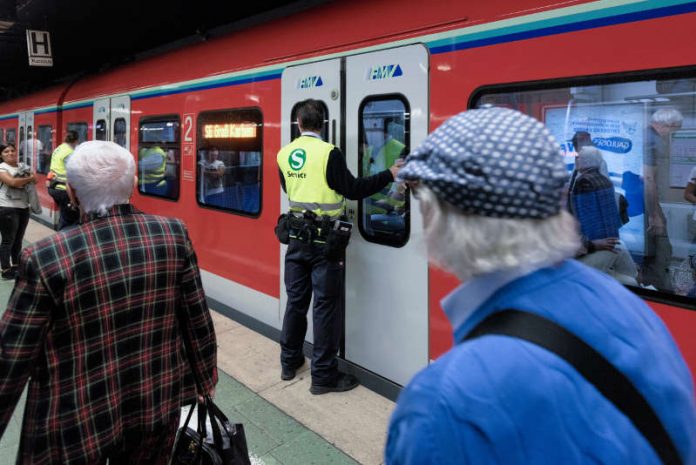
492	162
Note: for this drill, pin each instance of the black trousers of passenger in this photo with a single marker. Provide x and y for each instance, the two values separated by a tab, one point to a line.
68	216
13	224
307	271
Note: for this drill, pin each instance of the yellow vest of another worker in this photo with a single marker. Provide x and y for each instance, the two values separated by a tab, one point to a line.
152	164
303	163
58	157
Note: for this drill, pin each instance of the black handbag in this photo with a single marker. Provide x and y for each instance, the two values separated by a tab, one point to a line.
229	446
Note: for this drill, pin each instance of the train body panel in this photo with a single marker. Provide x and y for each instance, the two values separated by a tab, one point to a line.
503	52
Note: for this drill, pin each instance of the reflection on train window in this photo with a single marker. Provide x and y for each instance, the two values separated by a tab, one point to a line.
44	148
230	148
159	157
81	130
120	132
295	130
11	136
100	130
383	138
630	149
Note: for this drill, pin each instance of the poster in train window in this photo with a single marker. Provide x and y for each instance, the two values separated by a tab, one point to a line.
229	160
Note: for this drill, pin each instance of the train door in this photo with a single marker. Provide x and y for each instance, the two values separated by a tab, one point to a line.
386	264
380	100
27	140
320	81
111	120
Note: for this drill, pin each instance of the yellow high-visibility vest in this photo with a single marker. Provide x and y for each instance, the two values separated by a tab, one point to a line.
58	159
303	163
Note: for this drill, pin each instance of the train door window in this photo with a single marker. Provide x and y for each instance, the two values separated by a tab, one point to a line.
22	143
159	156
230	154
630	149
45	148
2	136
384	128
294	128
30	146
11	136
100	131
120	131
81	130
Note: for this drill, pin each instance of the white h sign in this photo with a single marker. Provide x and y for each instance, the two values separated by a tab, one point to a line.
39	46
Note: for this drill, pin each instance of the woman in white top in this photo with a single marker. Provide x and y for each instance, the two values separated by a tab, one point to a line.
14	210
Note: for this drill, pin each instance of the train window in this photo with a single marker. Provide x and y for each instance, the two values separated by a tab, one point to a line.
159	156
44	149
230	149
120	132
29	146
100	130
2	136
294	128
11	136
81	130
630	149
384	128
22	143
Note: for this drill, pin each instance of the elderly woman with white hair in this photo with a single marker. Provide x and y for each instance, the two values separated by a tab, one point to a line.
543	343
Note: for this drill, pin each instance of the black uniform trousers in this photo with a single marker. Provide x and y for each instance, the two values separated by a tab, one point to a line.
307	271
68	216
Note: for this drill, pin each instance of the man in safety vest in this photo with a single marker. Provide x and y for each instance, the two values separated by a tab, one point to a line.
56	181
152	169
315	176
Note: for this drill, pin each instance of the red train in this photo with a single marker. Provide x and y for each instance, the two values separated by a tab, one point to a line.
385	70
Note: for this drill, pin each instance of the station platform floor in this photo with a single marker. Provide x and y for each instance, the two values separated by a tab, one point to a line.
284	423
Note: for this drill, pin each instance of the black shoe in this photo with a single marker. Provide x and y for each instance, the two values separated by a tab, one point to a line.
288	373
9	274
344	382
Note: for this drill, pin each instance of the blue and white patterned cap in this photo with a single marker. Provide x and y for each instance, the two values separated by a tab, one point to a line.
493	162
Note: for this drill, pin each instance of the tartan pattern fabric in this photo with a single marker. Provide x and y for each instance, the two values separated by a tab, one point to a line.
101	318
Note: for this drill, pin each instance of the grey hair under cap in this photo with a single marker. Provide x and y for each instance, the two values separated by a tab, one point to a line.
492	162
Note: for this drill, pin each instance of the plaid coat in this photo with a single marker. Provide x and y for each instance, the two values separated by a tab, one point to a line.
101	318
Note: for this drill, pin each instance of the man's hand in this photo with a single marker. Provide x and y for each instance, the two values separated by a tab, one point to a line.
396	167
608	243
211	394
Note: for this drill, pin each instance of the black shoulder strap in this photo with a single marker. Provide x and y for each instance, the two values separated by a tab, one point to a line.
608	380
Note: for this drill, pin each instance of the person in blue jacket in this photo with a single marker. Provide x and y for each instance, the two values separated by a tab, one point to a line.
490	184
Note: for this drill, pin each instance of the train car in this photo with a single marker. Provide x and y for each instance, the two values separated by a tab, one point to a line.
217	113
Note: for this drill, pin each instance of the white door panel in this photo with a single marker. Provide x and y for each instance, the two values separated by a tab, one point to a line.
320	81
387	285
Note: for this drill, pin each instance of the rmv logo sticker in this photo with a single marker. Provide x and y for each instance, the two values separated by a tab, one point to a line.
384	72
310	82
297	159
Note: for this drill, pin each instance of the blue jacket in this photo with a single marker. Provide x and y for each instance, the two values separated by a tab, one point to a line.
500	400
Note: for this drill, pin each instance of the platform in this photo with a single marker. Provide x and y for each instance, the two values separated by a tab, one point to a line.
285	424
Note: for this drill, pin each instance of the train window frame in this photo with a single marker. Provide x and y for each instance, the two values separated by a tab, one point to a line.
164	118
200	143
82	129
100	132
627	77
44	168
407	132
294	126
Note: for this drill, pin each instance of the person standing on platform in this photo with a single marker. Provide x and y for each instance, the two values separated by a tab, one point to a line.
109	320
543	344
315	176
14	209
56	181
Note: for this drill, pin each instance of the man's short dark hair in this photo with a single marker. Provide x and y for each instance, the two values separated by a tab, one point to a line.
581	139
71	137
311	115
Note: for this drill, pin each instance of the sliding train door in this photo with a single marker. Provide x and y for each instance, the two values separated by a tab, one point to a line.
319	81
380	102
111	120
386	298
